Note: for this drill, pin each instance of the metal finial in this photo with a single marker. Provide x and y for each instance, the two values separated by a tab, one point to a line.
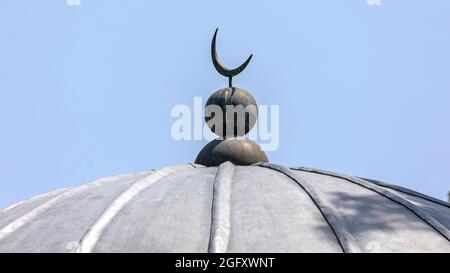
230	73
230	126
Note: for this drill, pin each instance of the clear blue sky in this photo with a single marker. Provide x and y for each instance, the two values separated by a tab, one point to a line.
86	91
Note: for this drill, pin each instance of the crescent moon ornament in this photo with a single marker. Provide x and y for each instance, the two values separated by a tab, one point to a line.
230	73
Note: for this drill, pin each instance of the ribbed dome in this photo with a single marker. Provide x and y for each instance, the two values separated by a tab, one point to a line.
259	208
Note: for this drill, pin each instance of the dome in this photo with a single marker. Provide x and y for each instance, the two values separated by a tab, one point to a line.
228	208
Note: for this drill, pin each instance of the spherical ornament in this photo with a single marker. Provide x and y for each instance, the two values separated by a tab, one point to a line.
238	150
231	112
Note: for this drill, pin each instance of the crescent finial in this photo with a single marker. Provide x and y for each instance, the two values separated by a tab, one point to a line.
230	73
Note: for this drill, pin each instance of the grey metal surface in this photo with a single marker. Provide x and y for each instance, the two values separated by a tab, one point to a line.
174	214
271	213
89	240
15	211
378	223
191	208
344	237
55	224
437	208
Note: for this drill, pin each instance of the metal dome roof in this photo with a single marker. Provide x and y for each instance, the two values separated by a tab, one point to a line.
229	208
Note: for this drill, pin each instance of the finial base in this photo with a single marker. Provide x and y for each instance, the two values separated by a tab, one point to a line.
237	150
